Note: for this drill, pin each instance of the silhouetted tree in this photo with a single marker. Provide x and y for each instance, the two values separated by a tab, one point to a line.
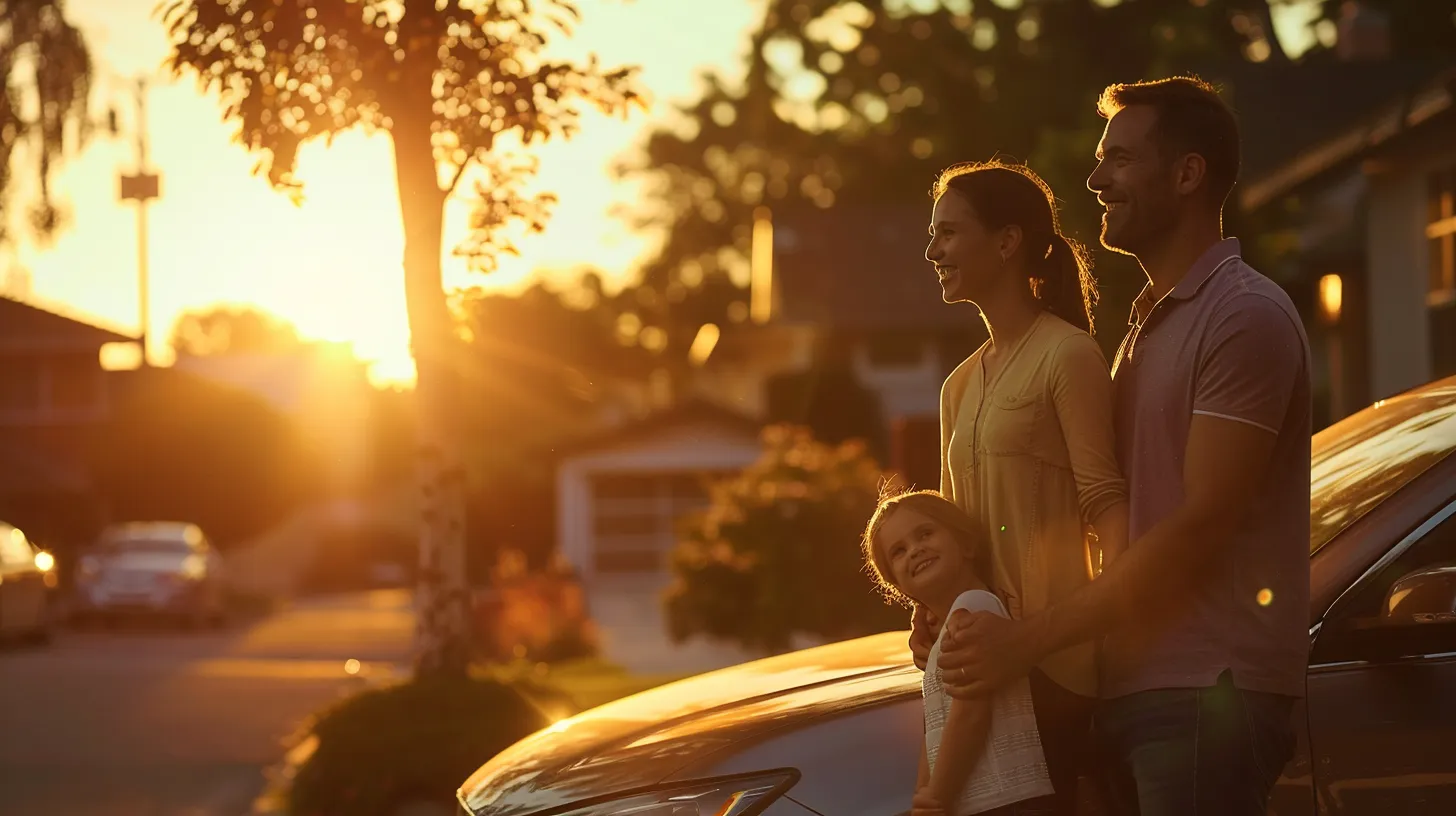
450	82
859	103
179	447
46	70
233	330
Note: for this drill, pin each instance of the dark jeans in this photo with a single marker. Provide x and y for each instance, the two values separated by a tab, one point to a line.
1195	752
1064	720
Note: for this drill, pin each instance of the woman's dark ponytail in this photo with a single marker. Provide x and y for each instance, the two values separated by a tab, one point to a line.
1065	286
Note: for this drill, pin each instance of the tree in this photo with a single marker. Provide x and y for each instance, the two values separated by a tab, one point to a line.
449	82
858	103
776	553
233	330
43	111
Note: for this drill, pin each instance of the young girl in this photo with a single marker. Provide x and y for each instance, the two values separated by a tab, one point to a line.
980	756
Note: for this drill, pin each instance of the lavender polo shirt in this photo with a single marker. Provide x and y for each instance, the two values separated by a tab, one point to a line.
1228	343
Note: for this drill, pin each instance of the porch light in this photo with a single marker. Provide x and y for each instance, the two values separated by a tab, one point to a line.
1331	297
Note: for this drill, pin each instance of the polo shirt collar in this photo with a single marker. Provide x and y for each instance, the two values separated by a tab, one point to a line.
1209	262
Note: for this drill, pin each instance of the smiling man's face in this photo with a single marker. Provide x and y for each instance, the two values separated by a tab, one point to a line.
1134	182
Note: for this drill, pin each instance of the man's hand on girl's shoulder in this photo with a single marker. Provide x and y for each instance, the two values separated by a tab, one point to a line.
981	652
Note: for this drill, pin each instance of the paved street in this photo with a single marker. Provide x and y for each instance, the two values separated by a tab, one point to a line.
140	721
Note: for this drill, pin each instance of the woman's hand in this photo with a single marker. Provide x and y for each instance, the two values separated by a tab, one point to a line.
923	630
925	804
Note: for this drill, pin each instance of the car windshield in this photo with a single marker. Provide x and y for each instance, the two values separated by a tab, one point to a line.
148	546
1365	458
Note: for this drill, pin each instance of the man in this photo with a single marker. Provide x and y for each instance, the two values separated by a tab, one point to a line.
1205	615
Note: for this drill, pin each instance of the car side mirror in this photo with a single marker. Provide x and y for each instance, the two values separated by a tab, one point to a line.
1426	596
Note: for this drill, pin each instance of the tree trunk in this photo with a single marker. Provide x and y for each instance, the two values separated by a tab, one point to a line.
442	626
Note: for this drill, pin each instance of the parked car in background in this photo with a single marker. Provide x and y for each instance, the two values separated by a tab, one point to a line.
156	568
27	578
837	729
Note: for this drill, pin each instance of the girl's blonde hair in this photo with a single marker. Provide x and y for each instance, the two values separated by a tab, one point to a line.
937	508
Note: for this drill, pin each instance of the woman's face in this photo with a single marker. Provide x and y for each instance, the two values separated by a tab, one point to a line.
966	255
924	558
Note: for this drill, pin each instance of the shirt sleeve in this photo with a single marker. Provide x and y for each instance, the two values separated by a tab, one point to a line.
1081	389
950	402
979	600
1249	364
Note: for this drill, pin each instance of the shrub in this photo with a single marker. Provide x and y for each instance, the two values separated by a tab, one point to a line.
538	616
412	742
777	551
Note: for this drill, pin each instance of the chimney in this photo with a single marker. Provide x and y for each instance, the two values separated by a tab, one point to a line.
1364	33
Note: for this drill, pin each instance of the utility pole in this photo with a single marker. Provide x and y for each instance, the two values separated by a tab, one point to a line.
141	187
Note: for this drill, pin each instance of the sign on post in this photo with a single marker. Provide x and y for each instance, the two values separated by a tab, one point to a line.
141	187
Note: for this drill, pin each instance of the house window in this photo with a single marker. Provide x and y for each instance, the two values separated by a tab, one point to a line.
635	517
1441	236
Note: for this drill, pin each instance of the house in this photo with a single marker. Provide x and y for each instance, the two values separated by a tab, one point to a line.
1370	201
852	339
53	399
620	496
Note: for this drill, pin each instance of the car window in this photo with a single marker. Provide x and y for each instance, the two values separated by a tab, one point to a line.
150	546
1435	549
1364	459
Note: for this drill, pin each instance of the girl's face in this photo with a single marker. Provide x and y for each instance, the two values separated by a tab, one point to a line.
967	256
924	559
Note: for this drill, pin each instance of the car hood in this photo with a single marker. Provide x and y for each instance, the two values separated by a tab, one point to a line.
646	738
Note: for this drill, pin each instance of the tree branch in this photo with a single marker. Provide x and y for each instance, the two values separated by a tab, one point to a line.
455	179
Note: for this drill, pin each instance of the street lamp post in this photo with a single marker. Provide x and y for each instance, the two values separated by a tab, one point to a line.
141	187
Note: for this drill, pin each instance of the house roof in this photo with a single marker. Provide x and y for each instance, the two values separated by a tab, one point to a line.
1301	121
689	412
26	326
858	268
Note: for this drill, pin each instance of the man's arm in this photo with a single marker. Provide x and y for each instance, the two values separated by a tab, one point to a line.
1241	397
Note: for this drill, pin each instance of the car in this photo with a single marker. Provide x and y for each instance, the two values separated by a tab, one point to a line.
837	729
156	568
27	578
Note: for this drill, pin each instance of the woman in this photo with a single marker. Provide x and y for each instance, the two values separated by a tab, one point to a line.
1026	424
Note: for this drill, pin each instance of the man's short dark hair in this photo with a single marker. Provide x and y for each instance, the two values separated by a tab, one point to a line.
1191	118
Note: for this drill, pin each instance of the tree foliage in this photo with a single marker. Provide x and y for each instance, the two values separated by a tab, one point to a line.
46	70
452	82
776	554
858	103
233	330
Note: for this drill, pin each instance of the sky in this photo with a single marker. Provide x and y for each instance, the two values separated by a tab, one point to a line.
220	235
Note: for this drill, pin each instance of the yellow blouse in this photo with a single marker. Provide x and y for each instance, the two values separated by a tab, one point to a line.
1031	455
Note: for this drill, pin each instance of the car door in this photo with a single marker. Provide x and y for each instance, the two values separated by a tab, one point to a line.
1382	682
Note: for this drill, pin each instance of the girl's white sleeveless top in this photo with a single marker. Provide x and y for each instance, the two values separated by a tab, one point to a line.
1012	768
